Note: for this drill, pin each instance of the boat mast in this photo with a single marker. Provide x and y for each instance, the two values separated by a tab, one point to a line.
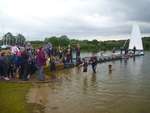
136	39
125	43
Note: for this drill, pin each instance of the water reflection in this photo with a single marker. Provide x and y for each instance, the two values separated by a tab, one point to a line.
39	94
110	74
78	69
125	61
133	58
85	84
121	61
126	86
93	78
136	66
53	76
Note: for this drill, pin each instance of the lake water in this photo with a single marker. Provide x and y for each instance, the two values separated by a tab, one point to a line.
124	90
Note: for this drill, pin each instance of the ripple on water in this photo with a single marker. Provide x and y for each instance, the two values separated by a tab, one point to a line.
121	91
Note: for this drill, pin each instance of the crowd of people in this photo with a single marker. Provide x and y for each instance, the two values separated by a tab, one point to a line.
23	61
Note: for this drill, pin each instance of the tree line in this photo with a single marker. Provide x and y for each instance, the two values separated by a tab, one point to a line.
85	45
10	39
93	46
63	41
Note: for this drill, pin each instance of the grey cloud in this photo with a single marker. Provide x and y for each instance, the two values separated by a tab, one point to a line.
121	12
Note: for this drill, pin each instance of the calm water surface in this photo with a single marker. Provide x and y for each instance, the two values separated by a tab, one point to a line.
124	90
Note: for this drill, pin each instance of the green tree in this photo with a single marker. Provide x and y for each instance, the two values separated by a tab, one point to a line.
8	39
53	40
58	41
20	39
64	40
95	42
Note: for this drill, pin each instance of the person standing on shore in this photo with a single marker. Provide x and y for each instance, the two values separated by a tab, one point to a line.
40	62
78	54
52	64
70	53
3	67
24	65
68	56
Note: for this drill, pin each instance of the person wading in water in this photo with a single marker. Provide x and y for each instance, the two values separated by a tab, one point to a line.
94	64
85	65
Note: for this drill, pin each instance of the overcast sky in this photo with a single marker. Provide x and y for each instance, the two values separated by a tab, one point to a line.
80	19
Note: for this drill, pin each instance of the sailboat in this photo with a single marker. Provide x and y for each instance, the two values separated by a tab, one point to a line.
136	40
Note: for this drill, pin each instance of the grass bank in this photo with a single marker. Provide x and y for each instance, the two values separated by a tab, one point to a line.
13	98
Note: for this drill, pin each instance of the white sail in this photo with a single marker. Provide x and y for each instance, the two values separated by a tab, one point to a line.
136	39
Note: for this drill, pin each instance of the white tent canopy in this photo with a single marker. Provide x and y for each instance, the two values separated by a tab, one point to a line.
136	39
4	46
